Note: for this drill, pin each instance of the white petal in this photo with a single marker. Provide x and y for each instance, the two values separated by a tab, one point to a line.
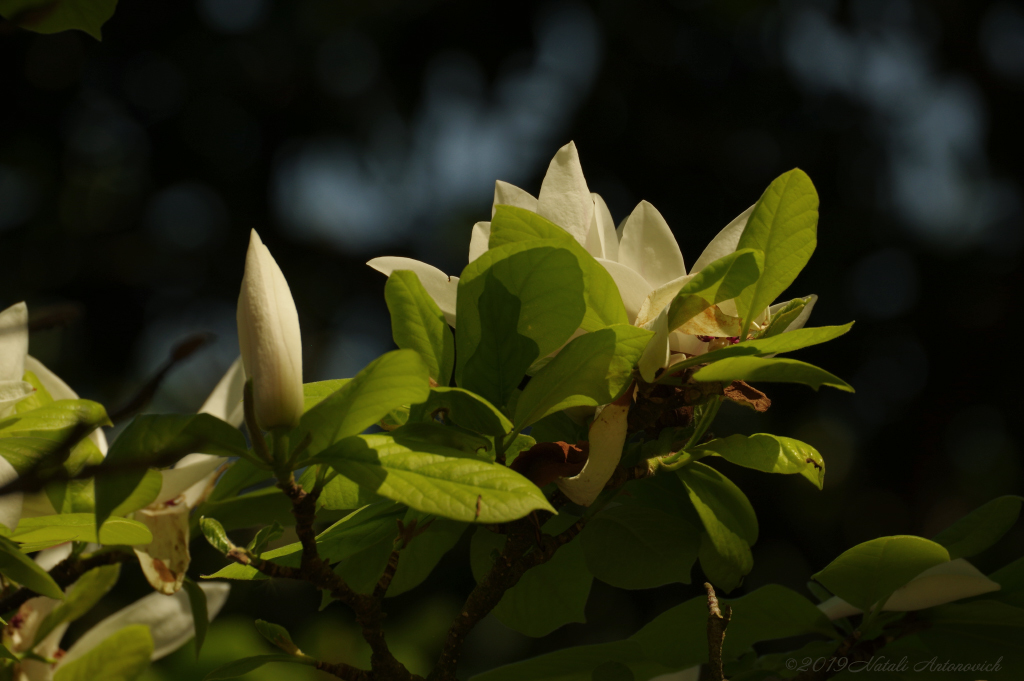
479	240
656	354
13	342
50	558
59	390
270	339
192	469
12	392
602	241
10	504
31	614
165	560
564	198
169	619
684	342
632	287
660	298
836	607
607	436
225	402
649	248
506	194
724	243
442	288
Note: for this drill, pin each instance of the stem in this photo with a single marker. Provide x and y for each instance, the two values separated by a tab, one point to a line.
718	621
683	456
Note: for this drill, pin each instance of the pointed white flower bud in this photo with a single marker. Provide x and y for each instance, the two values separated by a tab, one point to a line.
269	337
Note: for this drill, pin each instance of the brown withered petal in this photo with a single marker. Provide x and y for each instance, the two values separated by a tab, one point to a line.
747	395
543	463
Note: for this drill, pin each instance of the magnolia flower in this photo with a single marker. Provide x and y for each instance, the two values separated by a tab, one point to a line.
607	435
13	350
169	620
268	334
166	559
943	583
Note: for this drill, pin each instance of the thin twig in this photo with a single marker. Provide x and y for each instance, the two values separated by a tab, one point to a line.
718	622
180	353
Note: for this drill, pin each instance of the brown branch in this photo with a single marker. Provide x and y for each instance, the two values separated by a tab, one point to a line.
344	671
180	353
381	589
718	622
65	574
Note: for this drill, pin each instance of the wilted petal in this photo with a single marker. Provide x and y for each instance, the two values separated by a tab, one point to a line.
13	342
633	288
506	194
564	198
602	241
724	243
938	585
270	340
10	504
192	469
225	402
713	322
607	436
165	560
681	342
649	248
442	288
169	619
479	240
59	390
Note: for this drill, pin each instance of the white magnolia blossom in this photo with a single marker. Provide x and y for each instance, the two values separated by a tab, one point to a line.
169	619
642	256
185	486
270	340
943	583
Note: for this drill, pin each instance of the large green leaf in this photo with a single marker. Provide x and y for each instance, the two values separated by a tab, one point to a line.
417	323
15	565
315	393
49	530
200	611
768	453
62	421
871	571
392	380
771	370
548	596
242	667
604	304
591	370
786	342
421	556
439	481
633	547
981	528
728	518
157	440
581	663
515	303
721	280
465	409
86	592
784	227
123	656
54	16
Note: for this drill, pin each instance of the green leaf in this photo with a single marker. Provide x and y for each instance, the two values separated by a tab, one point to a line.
241	667
768	453
591	370
264	536
66	421
40	398
1011	579
786	315
728	518
444	484
771	370
981	528
548	596
315	393
871	571
215	534
784	227
580	663
416	435
417	323
421	556
86	592
54	16
721	280
277	635
392	380
515	303
200	613
50	530
787	342
342	494
632	547
604	304
18	567
462	408
158	440
558	427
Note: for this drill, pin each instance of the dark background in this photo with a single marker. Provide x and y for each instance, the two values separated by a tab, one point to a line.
132	170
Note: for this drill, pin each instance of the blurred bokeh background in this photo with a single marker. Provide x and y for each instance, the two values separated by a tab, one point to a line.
132	170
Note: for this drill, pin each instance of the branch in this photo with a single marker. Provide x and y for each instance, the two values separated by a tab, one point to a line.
65	574
180	353
718	621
